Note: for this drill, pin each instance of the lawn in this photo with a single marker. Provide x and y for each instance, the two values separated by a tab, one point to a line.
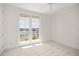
25	38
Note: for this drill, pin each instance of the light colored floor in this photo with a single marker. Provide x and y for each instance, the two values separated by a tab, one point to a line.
43	49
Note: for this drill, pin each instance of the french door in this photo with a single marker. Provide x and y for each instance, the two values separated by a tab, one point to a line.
29	29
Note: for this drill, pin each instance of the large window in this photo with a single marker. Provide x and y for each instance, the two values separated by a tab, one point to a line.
24	28
35	28
29	29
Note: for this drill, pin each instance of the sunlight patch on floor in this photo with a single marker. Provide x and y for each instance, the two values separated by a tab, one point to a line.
38	44
27	46
32	45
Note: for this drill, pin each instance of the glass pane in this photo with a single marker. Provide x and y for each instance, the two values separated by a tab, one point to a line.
35	28
24	28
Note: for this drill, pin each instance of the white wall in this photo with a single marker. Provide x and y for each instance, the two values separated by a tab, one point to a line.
12	25
46	28
1	38
65	26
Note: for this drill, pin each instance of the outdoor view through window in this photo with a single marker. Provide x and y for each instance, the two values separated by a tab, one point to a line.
29	29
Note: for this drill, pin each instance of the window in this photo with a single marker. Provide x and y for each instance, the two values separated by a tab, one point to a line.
24	28
35	28
29	29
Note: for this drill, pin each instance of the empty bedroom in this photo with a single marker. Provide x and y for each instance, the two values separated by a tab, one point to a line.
39	29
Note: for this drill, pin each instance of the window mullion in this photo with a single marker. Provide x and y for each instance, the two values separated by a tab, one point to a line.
30	28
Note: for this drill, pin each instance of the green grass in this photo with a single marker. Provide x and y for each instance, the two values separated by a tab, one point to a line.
34	37
25	38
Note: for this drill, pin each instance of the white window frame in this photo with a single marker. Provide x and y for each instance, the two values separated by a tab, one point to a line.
30	29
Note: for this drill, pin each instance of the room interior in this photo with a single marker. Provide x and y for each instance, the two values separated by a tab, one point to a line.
39	29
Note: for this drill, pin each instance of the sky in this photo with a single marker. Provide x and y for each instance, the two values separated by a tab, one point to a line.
25	24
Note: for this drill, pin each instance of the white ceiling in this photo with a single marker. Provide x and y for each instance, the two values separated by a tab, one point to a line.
42	7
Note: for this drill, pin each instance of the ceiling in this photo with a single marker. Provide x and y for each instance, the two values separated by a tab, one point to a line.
43	7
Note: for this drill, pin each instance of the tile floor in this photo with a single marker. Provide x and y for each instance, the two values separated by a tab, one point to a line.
43	49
